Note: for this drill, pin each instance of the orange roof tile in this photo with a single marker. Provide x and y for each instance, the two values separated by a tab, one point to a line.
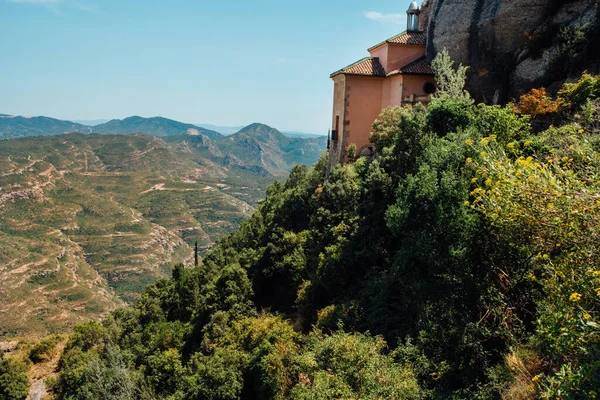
410	38
368	66
418	67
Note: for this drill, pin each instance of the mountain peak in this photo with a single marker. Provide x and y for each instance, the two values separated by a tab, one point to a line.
263	132
257	127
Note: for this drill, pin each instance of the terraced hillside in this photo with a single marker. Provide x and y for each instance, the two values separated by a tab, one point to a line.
87	221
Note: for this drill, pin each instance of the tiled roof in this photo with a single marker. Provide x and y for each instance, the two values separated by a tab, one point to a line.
418	67
368	66
411	38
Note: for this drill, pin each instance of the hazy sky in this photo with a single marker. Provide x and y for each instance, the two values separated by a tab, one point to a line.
221	62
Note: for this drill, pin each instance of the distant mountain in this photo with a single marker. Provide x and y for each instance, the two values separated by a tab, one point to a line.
224	130
155	126
229	130
302	135
17	126
258	148
90	122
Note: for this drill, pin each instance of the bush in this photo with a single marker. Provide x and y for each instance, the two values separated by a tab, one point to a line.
353	366
573	96
447	116
44	350
14	383
536	102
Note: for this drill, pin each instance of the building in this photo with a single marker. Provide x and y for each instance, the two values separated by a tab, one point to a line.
395	73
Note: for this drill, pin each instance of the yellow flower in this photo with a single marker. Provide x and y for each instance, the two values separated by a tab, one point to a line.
536	378
469	142
484	141
581	131
493	138
469	160
587	316
575	297
528	143
483	154
488	182
511	146
466	204
592	394
474	180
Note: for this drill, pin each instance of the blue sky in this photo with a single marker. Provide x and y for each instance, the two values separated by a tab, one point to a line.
224	62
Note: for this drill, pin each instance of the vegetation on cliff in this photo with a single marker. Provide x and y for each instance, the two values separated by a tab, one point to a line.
460	262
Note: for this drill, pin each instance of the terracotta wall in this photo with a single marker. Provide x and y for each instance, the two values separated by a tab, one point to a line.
392	92
399	55
413	84
382	53
339	100
363	107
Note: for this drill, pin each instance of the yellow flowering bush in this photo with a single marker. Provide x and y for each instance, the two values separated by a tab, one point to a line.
550	203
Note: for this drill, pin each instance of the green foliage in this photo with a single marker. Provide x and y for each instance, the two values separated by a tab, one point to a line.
458	263
447	116
44	350
351	153
14	383
574	96
353	366
451	82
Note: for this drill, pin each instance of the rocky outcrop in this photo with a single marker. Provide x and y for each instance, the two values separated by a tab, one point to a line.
514	45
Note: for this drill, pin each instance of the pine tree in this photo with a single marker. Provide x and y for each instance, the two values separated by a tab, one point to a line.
196	254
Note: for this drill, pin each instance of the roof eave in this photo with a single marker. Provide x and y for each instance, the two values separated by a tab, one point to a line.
388	41
418	73
352	74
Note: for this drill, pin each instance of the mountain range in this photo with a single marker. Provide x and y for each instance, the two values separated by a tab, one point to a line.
87	221
21	126
230	130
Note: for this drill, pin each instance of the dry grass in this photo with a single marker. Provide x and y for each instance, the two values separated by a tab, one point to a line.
524	365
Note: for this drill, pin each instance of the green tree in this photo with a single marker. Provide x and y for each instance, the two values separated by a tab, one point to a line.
14	383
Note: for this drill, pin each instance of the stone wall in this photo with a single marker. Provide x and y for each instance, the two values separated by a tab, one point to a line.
515	45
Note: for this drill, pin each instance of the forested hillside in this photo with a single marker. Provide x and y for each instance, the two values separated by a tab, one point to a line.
460	262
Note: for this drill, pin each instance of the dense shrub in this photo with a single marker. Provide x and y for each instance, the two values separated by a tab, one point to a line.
14	384
44	349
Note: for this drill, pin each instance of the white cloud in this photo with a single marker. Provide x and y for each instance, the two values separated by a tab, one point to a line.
387	18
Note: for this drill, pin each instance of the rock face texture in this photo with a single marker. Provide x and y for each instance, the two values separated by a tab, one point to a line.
515	45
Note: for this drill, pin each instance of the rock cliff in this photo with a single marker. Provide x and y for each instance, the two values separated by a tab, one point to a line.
514	45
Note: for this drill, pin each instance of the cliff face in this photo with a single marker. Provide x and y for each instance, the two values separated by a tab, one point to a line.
514	45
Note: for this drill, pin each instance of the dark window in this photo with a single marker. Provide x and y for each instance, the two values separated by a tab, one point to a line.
429	88
334	133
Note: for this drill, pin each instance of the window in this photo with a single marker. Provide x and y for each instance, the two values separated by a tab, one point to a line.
334	133
429	88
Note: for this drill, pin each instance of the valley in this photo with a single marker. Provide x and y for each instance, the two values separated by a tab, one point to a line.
114	213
